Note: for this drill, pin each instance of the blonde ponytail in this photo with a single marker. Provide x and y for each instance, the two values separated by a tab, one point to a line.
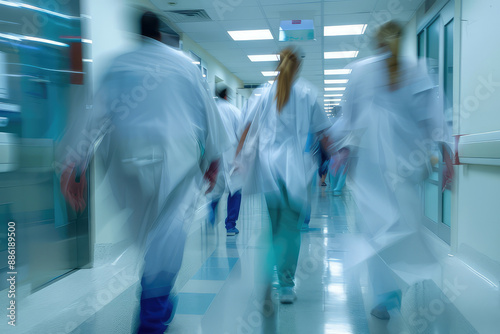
288	68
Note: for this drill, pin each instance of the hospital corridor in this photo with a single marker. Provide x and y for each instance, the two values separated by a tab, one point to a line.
249	167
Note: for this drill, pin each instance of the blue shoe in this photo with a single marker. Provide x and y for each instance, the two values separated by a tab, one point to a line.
232	231
172	306
156	314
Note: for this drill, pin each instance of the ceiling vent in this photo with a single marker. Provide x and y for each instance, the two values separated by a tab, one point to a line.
195	15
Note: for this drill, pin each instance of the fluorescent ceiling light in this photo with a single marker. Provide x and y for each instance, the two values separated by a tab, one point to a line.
338	72
88	41
334	95
330	89
258	94
87	60
344	30
274	57
333	100
271	81
250	35
340	81
196	62
341	54
270	73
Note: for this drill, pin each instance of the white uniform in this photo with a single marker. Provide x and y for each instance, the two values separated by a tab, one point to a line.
391	134
231	117
276	144
160	129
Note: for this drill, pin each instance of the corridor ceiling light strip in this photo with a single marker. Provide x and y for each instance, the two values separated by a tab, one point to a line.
250	35
270	73
274	57
38	9
11	37
340	81
334	95
333	100
43	40
341	54
338	72
345	30
332	89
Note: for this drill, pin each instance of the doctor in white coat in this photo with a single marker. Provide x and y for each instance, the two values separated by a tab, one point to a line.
159	132
232	118
275	157
391	125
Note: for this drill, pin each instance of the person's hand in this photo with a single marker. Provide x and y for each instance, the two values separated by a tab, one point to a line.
448	171
211	175
74	188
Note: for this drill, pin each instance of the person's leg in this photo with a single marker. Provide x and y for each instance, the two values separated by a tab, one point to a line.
340	182
216	195
233	209
163	258
386	292
213	210
286	241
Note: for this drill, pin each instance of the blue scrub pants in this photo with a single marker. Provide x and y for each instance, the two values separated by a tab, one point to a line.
233	208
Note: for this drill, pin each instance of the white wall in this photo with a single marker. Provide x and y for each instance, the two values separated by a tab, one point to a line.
214	67
409	39
476	224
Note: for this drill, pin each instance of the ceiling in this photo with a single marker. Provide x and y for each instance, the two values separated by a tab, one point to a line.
228	15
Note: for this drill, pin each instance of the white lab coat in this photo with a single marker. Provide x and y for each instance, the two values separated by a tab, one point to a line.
391	135
275	151
232	118
158	129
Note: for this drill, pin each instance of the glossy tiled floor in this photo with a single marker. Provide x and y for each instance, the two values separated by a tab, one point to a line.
227	284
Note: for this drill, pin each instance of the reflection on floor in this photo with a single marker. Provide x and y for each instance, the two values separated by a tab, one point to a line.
226	285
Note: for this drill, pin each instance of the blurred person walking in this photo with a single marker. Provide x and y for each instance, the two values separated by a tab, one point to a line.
391	125
160	133
276	160
232	120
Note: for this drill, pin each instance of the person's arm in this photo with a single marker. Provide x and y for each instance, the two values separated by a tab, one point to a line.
448	172
242	139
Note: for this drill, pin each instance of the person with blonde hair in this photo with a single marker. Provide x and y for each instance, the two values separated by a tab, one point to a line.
278	163
392	125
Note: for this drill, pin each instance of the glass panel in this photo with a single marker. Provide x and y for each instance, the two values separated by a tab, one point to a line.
447	207
431	201
421	44
433	50
448	74
40	75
